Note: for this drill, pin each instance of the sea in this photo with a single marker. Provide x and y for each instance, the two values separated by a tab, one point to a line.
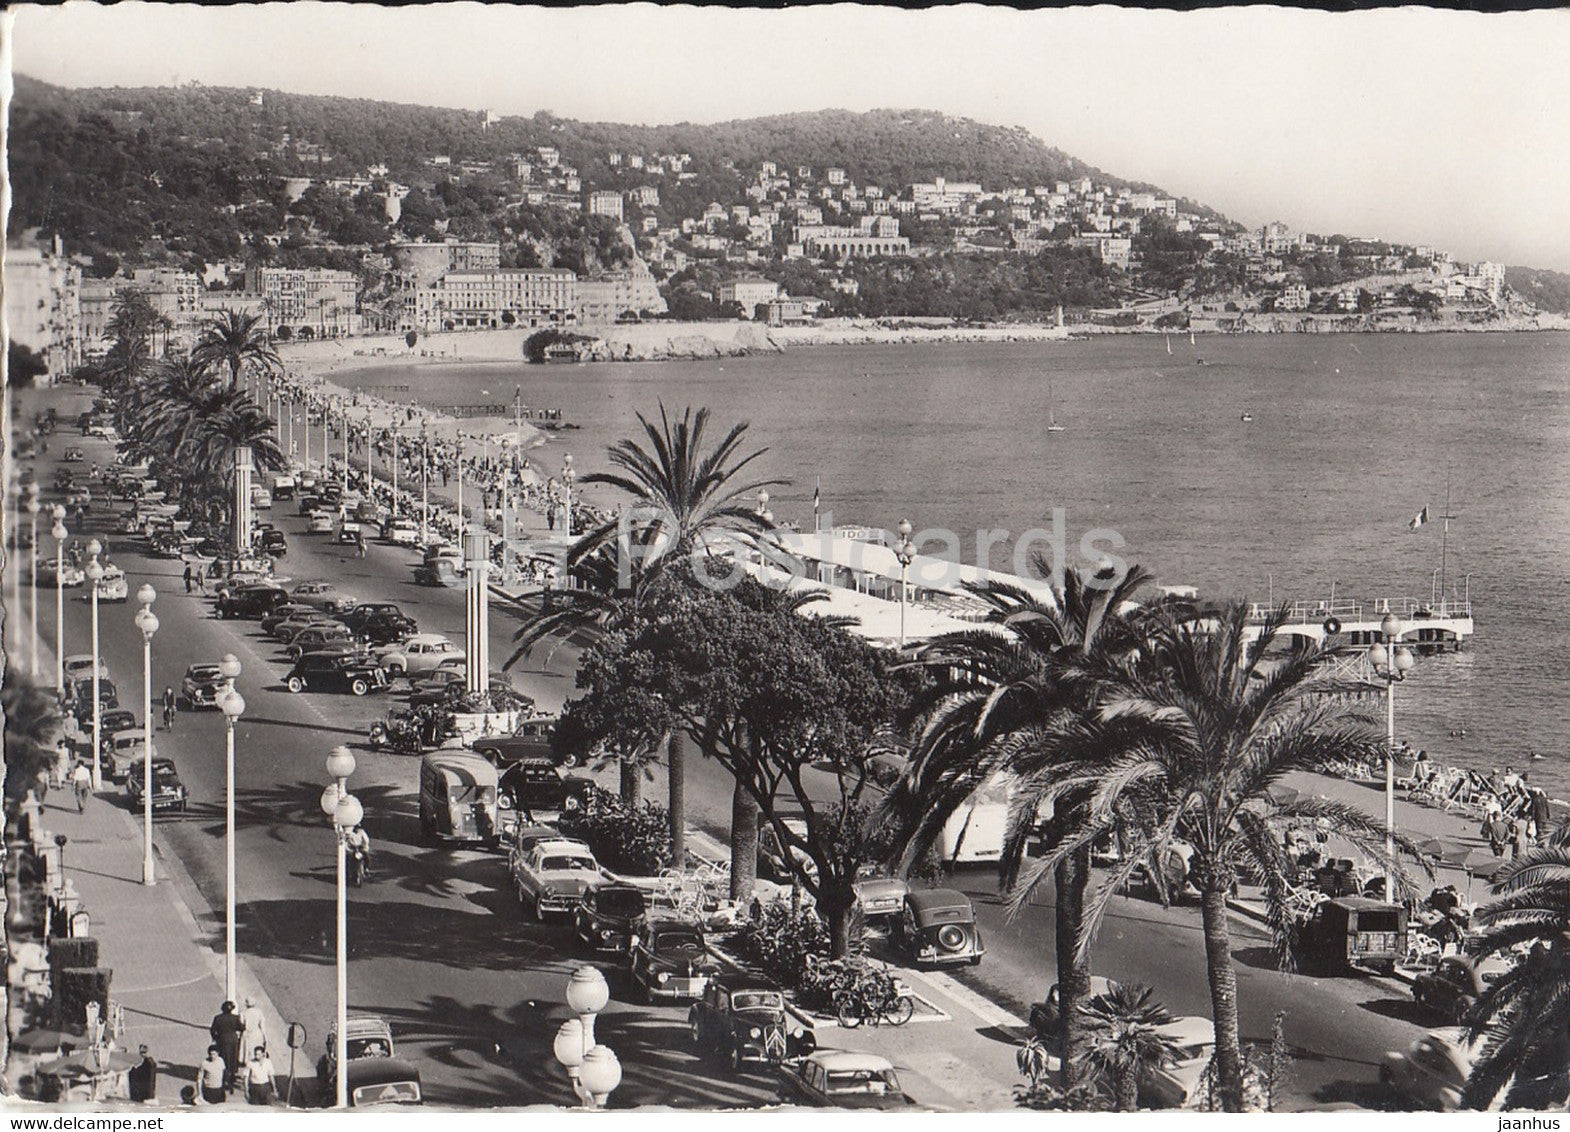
1266	467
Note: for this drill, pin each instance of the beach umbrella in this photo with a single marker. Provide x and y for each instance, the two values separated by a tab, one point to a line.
1480	863
46	1039
1447	852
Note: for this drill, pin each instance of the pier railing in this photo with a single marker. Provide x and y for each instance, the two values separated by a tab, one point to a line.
1347	611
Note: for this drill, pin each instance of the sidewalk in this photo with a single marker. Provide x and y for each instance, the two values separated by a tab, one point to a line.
167	962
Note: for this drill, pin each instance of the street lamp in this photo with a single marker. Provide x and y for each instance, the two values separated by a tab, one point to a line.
594	1070
905	551
345	406
232	704
33	507
1390	662
60	535
370	480
460	485
346	813
425	477
567	475
95	573
763	511
147	622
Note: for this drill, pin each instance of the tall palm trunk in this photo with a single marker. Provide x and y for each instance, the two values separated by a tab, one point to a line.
631	782
743	844
1126	1090
1070	879
676	767
1223	996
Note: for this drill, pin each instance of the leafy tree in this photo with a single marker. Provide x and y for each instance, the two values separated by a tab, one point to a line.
23	365
1124	1026
32	720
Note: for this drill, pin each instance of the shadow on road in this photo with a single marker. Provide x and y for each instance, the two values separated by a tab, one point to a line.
1403	1010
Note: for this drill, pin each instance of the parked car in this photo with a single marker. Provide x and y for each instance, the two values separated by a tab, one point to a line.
740	1018
402	532
834	1078
315	638
439	573
80	695
113	585
110	722
261	499
291	627
201	685
772	855
607	915
169	792
938	928
443	552
1171	1085
122	748
669	960
880	897
1352	933
323	596
373	1073
278	614
273	542
327	673
1045	1015
365	610
69	576
385	629
250	600
418	654
1433	1070
1453	987
78	665
553	875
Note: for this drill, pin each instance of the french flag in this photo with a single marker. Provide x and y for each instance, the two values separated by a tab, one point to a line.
1418	520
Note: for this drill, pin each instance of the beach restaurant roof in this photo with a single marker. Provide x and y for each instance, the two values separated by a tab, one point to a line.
873	559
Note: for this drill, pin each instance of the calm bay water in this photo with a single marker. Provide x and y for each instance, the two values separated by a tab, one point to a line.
1350	437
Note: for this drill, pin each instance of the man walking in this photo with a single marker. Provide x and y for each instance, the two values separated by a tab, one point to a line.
226	1030
187	577
81	785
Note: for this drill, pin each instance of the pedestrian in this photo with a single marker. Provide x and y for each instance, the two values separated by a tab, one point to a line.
226	1030
1497	833
141	1079
1539	809
259	1077
82	785
171	705
201	581
255	1025
212	1077
1519	839
187	577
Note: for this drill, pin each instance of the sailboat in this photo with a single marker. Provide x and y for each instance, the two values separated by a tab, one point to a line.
1052	419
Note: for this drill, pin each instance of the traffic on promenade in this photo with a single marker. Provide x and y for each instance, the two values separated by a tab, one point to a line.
330	785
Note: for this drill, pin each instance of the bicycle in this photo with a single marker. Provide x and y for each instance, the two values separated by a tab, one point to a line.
854	1005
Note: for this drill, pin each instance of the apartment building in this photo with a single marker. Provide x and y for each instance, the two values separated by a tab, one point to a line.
314	300
470	300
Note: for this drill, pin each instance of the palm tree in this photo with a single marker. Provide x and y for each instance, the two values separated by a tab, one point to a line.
32	720
1018	696
1123	1026
1211	724
233	340
684	493
1526	1010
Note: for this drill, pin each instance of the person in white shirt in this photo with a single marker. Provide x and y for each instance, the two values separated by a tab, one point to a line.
255	1025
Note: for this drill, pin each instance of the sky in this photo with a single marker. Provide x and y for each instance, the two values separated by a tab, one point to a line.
1419	126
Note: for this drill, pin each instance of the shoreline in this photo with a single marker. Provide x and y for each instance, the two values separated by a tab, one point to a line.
672	341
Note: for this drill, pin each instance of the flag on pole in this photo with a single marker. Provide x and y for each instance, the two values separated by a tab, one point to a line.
817	490
1418	520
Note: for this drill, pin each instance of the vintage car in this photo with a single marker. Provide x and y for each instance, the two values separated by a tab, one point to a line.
443	552
607	916
536	788
1350	934
1171	1085
283	486
278	614
123	748
552	876
1433	1070
368	610
772	855
251	600
110	722
458	798
80	696
319	522
531	742
740	1018
78	665
168	791
834	1078
323	596
418	654
439	573
1045	1015
1453	987
261	498
273	542
938	928
201	684
315	638
350	531
69	576
384	629
373	1073
327	673
113	585
287	629
402	532
668	960
880	897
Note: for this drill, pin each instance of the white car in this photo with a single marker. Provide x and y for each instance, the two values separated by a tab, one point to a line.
1172	1086
552	875
113	586
1433	1070
320	523
419	654
261	499
402	532
79	666
124	748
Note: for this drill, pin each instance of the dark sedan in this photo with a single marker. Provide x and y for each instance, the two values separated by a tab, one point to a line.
607	916
319	672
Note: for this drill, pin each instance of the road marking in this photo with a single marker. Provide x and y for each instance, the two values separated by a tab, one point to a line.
985	1009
